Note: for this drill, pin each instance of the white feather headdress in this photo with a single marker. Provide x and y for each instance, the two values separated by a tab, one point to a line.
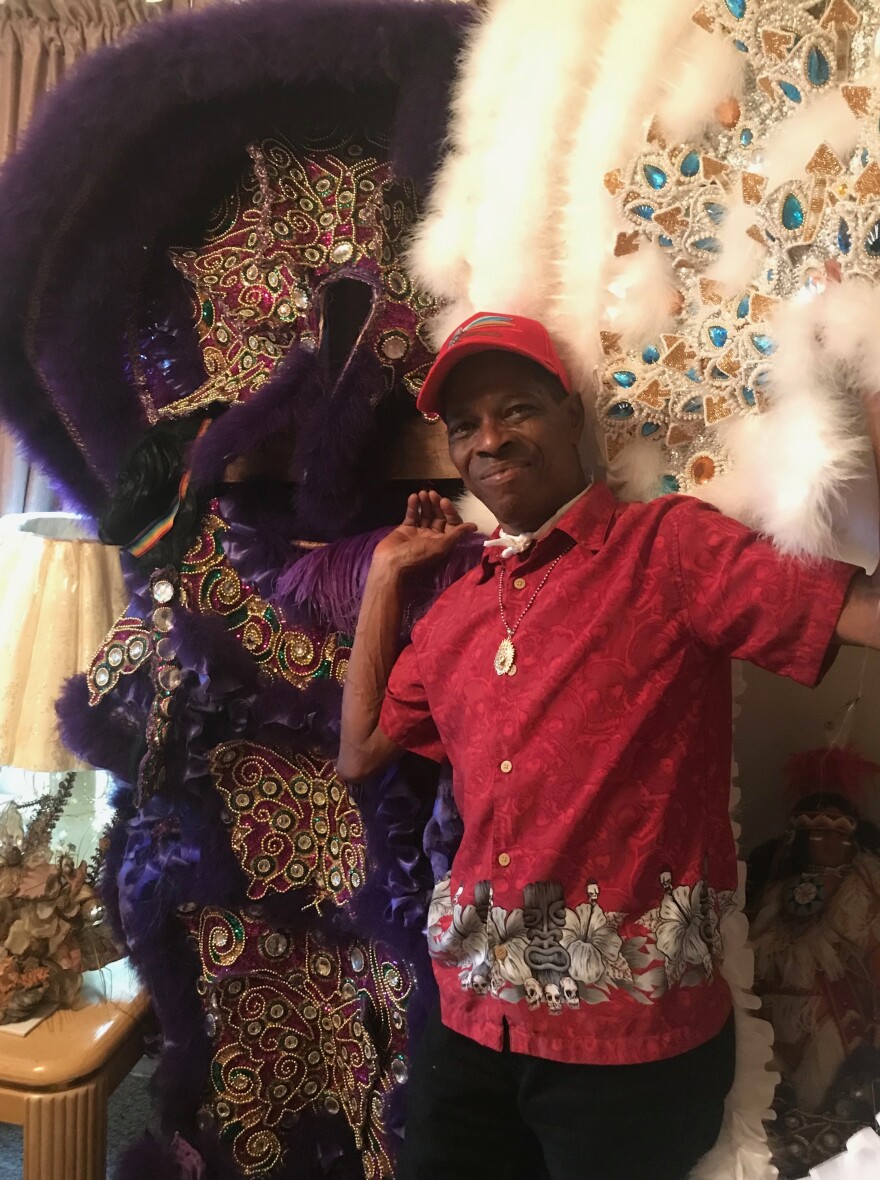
663	187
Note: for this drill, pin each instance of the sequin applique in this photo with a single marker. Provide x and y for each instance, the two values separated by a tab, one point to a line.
296	221
210	585
297	1024
127	646
294	824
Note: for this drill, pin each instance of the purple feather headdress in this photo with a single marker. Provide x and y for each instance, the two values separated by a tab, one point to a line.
133	145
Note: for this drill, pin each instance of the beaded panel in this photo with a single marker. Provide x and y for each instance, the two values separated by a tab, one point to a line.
818	224
294	822
209	584
296	221
298	1025
165	592
131	644
128	645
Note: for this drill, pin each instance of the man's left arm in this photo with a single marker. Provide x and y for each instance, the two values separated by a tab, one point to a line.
859	622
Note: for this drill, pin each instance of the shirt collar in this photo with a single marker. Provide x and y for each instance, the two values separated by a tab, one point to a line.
587	522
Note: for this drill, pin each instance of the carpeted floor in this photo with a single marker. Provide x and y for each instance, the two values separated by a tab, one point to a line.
130	1113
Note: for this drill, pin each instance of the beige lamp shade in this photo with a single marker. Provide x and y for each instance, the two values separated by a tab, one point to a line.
60	593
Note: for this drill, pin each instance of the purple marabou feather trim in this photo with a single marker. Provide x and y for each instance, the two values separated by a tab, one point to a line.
123	803
338	448
331	580
123	152
262	529
314	713
395	810
336	432
165	855
445	829
294	383
110	734
206	648
394	904
149	1159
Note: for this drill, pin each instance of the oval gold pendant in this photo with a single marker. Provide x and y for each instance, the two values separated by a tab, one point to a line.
504	657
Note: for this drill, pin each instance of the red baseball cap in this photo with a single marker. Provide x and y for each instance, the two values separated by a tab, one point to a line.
485	331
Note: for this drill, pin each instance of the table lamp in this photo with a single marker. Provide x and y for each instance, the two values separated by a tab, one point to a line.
60	592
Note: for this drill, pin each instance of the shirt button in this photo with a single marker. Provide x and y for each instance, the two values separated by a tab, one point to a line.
506	766
519	583
503	859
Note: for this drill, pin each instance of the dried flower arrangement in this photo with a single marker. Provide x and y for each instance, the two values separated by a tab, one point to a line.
52	925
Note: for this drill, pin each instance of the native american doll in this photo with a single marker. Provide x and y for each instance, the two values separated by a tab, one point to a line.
211	340
816	936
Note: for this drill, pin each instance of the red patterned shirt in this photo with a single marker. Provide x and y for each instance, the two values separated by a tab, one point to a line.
585	902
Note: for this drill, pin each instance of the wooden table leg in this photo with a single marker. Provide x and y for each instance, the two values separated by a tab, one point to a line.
65	1133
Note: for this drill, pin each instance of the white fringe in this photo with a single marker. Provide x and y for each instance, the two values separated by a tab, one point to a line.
474	511
636	471
791	466
490	223
640	292
635	58
741	1152
707	70
520	220
740	257
790	146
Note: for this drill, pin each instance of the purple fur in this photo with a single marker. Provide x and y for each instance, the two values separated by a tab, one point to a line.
123	150
181	1076
147	1159
107	735
337	445
444	829
261	532
123	803
331	580
271	410
336	433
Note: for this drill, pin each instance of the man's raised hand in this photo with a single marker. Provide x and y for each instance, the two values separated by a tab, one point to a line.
430	529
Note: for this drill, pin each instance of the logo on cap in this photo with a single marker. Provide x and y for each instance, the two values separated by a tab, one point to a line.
480	321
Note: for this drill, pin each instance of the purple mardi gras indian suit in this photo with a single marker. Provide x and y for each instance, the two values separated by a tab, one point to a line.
202	259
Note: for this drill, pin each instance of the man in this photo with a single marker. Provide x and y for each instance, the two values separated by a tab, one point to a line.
578	681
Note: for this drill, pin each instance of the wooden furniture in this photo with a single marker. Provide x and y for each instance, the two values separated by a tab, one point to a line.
55	1082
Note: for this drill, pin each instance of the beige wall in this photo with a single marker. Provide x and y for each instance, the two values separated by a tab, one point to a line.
780	718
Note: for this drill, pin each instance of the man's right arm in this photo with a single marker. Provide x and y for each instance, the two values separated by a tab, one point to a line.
363	747
428	533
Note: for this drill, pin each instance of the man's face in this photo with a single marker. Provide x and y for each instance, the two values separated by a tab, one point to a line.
512	439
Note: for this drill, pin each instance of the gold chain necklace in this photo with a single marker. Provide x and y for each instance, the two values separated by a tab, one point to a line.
505	657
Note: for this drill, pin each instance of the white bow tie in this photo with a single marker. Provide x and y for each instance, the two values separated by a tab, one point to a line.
513	543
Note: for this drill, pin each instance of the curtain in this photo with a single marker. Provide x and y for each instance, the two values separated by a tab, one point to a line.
39	42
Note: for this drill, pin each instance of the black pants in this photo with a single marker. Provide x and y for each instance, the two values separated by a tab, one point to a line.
474	1112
